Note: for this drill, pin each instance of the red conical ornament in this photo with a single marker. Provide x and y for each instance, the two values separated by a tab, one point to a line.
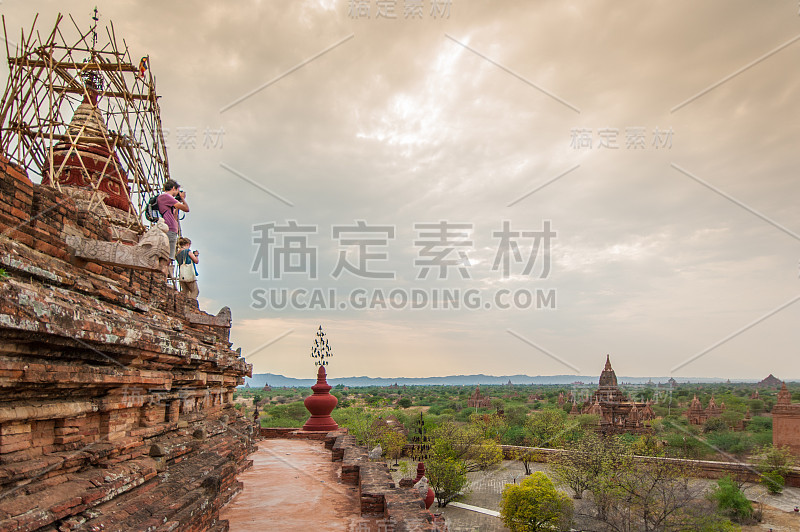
321	404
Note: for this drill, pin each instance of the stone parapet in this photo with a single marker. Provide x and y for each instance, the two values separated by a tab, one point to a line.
701	468
402	506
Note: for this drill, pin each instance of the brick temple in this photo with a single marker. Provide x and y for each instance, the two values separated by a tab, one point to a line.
698	415
476	400
116	390
616	412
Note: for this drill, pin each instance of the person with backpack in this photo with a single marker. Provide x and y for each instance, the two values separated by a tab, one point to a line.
187	272
168	205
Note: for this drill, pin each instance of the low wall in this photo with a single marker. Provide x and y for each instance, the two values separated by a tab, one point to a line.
704	468
380	497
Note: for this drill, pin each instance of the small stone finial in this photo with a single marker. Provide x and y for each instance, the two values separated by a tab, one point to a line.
422	486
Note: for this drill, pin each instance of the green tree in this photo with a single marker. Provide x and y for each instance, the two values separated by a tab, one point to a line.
732	418
590	464
655	495
632	493
535	504
738	443
405	402
361	424
774	463
297	411
516	415
546	428
756	406
486	455
526	455
514	436
647	445
731	501
760	424
447	478
392	442
465	443
492	426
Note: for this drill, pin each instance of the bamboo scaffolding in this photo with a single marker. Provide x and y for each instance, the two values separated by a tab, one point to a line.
50	76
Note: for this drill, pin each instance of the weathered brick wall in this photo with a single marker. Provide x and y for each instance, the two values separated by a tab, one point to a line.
116	412
786	427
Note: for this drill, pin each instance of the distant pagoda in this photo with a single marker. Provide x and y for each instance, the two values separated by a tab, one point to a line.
616	413
770	382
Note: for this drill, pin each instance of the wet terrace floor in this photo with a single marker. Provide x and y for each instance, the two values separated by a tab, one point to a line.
293	485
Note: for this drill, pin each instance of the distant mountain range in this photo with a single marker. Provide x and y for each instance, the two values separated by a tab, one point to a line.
260	379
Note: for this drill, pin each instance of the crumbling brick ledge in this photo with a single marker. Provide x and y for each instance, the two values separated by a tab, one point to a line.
116	391
379	495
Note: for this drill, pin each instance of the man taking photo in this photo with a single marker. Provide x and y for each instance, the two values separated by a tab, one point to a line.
173	199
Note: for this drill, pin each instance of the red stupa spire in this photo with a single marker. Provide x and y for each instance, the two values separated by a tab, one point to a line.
321	403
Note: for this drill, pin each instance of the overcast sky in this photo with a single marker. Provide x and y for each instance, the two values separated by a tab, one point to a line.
659	139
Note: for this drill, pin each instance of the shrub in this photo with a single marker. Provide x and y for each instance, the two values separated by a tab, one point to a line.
774	463
392	443
760	424
280	422
686	446
760	439
715	424
774	482
732	442
757	406
514	436
526	455
534	505
487	454
731	501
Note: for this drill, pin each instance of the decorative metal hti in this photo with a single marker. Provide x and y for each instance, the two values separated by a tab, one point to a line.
420	444
321	349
